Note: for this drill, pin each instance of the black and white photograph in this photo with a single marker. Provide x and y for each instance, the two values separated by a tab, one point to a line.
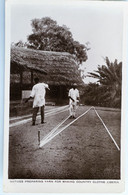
64	94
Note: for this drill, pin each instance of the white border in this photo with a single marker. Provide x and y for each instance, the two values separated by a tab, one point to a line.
37	187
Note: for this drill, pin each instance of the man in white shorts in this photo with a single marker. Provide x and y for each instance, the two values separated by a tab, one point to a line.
73	100
38	93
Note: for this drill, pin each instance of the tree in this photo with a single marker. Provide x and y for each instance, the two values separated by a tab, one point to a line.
110	78
49	36
19	44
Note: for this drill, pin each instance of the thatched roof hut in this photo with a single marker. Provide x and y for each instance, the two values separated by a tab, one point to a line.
59	68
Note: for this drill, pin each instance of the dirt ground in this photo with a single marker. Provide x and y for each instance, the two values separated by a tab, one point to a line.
84	150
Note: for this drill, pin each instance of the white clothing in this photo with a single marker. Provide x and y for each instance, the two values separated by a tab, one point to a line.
72	109
38	93
74	94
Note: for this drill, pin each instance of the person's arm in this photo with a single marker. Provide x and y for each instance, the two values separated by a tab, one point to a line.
31	96
78	96
69	95
28	99
71	98
46	86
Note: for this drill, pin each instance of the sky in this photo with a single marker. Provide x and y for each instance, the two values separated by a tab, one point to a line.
99	24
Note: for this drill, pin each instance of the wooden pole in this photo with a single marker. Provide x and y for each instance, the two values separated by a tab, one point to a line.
39	138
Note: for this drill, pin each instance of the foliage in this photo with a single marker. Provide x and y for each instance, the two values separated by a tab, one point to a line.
108	91
19	44
49	36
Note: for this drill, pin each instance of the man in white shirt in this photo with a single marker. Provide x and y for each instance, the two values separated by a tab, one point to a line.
38	93
73	100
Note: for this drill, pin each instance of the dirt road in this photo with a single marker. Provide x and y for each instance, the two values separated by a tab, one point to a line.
84	150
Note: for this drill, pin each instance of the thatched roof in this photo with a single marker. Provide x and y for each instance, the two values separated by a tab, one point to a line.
20	61
60	67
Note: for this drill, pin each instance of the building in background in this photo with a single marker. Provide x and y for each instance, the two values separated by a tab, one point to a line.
58	69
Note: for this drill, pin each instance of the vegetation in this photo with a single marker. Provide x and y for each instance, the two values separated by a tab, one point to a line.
107	90
49	36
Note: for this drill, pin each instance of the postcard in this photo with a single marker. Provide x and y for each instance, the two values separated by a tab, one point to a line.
65	81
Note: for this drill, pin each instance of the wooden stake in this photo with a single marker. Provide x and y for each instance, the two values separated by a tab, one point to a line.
39	138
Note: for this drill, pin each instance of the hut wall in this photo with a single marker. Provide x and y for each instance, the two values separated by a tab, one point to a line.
57	93
17	84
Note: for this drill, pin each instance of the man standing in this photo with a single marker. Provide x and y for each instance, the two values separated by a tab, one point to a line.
73	99
38	93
